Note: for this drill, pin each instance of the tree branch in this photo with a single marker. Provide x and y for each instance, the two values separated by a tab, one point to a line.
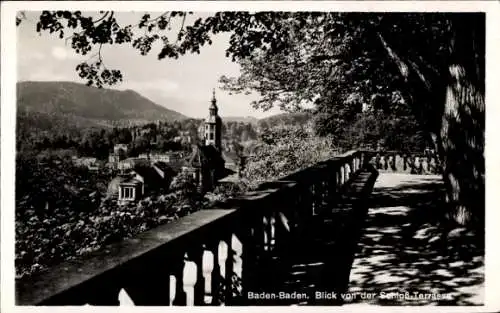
181	29
403	68
100	57
102	17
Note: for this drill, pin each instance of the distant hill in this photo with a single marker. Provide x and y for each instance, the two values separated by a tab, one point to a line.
89	106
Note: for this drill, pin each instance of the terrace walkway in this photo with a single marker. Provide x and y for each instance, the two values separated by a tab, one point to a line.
402	247
398	248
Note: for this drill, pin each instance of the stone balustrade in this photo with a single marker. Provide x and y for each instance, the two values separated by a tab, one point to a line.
210	257
405	162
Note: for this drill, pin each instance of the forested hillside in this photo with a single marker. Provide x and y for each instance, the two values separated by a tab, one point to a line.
101	106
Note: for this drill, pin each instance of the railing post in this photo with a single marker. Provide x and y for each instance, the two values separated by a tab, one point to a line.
215	290
178	273
229	269
196	255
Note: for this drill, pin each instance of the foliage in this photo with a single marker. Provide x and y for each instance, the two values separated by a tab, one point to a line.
41	134
285	149
183	182
224	191
60	214
294	118
238	131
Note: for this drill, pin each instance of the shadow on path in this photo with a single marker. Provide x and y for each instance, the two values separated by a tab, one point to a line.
407	247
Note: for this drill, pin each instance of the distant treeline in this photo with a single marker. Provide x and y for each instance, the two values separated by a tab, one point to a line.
38	131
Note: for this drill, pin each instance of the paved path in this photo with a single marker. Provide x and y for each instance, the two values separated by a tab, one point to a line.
402	249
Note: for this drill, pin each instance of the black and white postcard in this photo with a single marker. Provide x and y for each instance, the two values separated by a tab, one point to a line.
276	153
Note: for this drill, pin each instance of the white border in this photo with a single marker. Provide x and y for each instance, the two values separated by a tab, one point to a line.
8	111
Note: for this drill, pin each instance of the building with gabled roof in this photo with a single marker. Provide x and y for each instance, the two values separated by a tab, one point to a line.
142	180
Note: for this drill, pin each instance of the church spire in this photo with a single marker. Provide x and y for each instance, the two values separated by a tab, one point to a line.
213	125
213	107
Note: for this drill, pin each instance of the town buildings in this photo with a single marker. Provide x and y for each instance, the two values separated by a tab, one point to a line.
205	164
131	185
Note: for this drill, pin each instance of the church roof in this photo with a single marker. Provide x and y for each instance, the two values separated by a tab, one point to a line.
204	156
150	175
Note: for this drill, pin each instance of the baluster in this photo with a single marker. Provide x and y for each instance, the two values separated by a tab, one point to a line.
229	269
207	268
259	237
248	255
222	257
272	232
322	195
216	278
296	222
342	175
339	179
325	191
190	275
124	299
332	191
172	294
312	191
196	257
347	172
238	252
325	183
226	268
237	248
283	232
178	272
265	233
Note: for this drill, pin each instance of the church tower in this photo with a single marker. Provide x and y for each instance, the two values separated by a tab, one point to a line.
213	125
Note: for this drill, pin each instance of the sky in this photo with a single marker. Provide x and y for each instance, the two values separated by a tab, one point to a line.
184	85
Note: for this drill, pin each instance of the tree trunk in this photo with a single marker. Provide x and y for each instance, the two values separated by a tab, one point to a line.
462	136
463	121
457	98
